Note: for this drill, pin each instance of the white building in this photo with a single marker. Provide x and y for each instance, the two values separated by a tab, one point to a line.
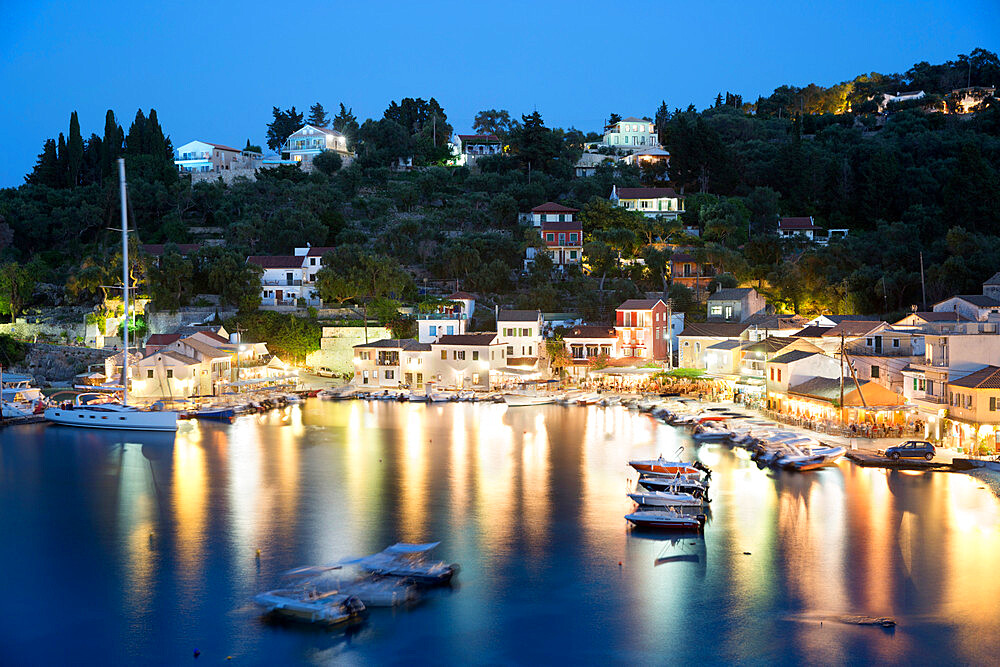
651	202
468	361
309	141
196	157
978	307
391	363
631	133
520	331
287	279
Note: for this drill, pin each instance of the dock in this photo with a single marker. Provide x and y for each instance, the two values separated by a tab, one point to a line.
15	421
869	459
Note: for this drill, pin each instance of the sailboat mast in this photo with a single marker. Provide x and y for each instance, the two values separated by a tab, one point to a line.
121	184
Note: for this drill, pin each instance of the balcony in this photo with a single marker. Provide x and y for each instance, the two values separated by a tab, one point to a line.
282	283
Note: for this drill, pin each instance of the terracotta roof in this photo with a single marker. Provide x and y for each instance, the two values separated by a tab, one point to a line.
276	261
552	207
645	193
837	319
639	304
466	339
205	349
162	339
943	316
764	320
157	249
984	378
462	296
796	223
211	335
518	315
714	329
852	328
320	250
224	147
812	331
177	356
681	257
591	331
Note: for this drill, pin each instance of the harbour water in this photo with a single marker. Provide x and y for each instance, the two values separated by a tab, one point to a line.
140	548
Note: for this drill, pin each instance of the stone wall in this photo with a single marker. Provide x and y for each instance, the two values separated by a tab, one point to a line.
57	363
164	322
336	347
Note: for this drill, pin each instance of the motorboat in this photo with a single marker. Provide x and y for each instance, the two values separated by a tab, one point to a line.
675	485
414	397
519	399
817	457
409	562
665	499
110	415
18	398
338	393
220	414
667	519
293	398
662	466
372	590
307	605
711	431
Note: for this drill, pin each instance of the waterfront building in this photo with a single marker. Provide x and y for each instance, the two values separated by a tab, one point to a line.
756	354
520	331
589	345
974	410
651	202
697	337
796	367
467	361
390	363
643	329
818	399
630	134
446	320
734	304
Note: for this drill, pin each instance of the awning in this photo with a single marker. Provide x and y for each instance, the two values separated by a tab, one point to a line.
517	372
626	371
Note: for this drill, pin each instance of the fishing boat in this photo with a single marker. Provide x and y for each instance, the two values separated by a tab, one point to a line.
112	415
665	499
662	466
667	519
409	562
517	400
306	605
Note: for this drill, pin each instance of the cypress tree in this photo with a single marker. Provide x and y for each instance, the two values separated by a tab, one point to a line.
91	170
61	161
134	141
74	152
111	146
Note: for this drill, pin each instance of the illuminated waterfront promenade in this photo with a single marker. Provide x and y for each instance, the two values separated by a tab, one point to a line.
140	553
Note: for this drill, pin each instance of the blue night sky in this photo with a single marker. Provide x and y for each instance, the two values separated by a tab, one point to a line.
213	69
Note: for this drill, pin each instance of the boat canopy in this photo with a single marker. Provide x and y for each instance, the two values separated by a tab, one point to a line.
404	548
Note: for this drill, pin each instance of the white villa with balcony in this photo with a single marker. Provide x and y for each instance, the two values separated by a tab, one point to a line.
196	157
287	279
651	202
309	141
631	134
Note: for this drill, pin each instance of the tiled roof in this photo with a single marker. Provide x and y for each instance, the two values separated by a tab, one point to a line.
813	331
324	130
319	251
943	316
518	316
984	378
980	300
789	357
730	293
764	320
276	261
633	119
177	356
205	349
211	335
408	344
572	226
994	280
796	223
223	147
852	328
591	331
837	319
724	345
552	207
639	304
714	329
162	339
479	137
645	193
466	339
823	388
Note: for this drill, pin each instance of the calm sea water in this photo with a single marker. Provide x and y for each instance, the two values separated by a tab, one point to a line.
139	549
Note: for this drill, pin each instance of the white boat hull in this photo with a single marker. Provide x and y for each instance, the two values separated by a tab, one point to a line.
521	399
124	420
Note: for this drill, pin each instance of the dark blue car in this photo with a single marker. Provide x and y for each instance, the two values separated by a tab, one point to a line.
911	449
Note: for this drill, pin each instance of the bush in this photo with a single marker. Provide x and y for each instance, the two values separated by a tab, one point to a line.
12	351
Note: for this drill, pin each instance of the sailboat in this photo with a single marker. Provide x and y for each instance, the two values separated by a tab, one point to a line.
87	410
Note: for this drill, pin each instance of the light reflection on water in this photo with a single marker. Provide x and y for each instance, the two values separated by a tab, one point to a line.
154	542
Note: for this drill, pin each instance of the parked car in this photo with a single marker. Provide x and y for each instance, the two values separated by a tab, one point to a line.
911	449
325	372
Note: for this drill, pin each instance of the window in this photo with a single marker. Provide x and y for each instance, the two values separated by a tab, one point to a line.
572	237
389	375
170	372
530	352
149	374
875	372
772	371
444	354
312	261
451	329
420	379
364	377
433	330
475	378
572	254
461	355
562	218
779	375
716	310
550	237
475	355
510	351
993	403
525	332
562	239
869	342
895	342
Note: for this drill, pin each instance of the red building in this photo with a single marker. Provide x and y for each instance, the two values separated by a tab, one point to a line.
685	270
643	329
561	234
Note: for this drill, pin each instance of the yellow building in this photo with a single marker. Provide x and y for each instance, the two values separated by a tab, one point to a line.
974	409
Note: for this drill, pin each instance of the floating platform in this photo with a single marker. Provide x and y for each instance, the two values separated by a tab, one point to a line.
14	421
868	459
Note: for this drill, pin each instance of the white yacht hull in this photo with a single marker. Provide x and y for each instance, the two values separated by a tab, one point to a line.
125	420
521	399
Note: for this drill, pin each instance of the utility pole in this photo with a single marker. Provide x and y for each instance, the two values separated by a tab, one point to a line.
923	287
842	420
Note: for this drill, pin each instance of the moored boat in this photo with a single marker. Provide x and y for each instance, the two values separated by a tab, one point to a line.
662	466
665	499
666	519
306	605
409	562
